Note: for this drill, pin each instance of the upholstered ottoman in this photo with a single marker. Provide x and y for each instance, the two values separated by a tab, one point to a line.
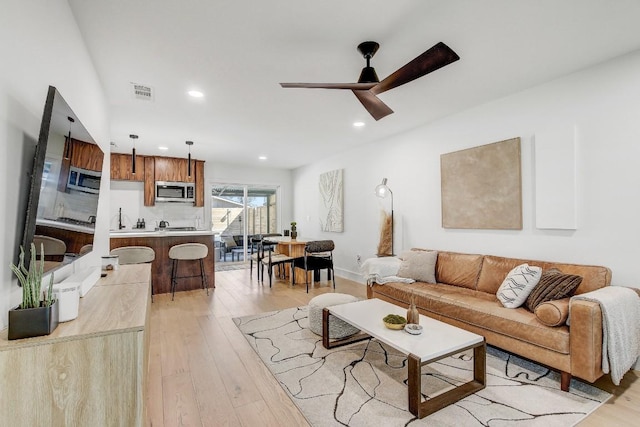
337	328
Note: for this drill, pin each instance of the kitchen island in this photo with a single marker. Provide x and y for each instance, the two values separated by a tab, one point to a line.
161	241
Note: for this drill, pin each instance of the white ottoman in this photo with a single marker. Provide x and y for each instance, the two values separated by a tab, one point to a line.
337	327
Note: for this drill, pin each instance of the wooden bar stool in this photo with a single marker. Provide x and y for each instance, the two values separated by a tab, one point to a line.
187	252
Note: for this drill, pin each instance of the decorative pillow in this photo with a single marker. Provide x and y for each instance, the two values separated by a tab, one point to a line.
553	285
553	313
419	266
518	284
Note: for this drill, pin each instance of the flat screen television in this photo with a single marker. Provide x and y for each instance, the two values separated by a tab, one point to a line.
62	205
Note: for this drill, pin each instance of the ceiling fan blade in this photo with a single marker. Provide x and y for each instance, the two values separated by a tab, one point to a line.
372	103
436	57
351	86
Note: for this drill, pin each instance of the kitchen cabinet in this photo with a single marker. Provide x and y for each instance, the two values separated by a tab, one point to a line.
85	155
121	167
82	155
172	169
199	176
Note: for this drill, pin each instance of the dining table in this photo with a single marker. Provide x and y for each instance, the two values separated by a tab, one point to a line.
293	248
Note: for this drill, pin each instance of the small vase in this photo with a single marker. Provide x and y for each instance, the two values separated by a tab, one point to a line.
413	316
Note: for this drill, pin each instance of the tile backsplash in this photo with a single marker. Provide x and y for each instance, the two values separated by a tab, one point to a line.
129	196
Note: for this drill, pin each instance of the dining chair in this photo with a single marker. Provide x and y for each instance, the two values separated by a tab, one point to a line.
318	255
271	259
255	254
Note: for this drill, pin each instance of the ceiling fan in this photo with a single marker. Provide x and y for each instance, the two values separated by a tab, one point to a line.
369	86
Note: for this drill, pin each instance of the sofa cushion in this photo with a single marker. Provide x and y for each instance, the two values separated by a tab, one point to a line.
518	284
553	313
419	266
553	285
458	269
495	268
479	309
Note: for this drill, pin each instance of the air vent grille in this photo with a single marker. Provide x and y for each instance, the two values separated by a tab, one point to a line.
143	92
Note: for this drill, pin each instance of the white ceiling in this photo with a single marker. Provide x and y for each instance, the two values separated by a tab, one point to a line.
237	52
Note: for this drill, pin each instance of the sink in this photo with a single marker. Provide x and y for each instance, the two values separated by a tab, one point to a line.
177	229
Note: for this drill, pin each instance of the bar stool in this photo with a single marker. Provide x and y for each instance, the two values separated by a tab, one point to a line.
187	252
135	255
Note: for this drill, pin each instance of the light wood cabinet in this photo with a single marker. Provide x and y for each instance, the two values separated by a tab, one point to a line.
90	371
121	167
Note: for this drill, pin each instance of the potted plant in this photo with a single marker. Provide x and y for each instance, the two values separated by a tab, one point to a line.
35	316
294	230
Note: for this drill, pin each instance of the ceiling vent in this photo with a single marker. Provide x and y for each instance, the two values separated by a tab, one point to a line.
143	92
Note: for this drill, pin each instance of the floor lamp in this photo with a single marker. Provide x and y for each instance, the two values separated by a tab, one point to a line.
382	190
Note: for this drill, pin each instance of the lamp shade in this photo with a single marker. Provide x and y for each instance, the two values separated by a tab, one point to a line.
382	190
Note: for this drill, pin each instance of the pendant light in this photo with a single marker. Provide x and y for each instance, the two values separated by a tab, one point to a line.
189	143
67	153
133	154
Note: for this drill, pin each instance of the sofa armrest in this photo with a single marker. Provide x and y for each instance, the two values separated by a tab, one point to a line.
586	340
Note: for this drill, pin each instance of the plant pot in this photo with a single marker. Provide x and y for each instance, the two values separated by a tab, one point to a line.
32	322
294	235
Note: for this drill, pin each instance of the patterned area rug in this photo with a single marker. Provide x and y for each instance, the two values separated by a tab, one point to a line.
229	266
364	384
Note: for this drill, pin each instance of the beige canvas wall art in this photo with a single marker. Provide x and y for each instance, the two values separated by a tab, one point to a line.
482	187
331	216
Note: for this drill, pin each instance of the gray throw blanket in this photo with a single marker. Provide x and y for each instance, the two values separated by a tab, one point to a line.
620	328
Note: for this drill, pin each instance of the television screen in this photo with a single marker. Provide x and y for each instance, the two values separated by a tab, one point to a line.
64	188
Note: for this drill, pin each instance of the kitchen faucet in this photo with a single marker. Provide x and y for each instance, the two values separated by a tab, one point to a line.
120	226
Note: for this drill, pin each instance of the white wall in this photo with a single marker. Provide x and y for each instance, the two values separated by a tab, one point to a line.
40	45
603	103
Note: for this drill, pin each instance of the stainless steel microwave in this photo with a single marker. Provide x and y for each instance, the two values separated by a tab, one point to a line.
84	180
175	192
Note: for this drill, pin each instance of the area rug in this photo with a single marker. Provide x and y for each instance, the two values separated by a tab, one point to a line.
364	384
223	266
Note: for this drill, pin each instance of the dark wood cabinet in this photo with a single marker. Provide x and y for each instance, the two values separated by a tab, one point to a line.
121	167
150	181
79	154
199	177
86	156
172	169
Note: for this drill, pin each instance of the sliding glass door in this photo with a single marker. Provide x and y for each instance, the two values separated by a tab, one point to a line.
238	211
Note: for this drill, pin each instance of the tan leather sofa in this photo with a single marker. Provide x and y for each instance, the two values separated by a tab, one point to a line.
465	296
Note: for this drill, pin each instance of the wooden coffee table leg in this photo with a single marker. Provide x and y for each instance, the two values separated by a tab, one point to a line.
414	371
340	342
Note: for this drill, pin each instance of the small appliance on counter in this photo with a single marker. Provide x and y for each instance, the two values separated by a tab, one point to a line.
68	295
140	224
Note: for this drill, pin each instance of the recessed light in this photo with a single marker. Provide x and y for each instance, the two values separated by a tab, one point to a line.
262	158
358	124
163	148
196	93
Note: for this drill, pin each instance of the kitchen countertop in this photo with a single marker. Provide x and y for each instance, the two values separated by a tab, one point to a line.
115	234
64	226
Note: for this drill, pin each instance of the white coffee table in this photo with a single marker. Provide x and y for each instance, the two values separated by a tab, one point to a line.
437	341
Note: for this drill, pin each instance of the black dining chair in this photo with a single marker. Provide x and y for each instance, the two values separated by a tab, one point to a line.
318	255
271	259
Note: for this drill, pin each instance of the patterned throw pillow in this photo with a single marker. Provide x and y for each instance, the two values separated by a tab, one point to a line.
553	285
518	284
419	266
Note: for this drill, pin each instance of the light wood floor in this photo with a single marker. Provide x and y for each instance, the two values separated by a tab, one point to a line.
202	372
